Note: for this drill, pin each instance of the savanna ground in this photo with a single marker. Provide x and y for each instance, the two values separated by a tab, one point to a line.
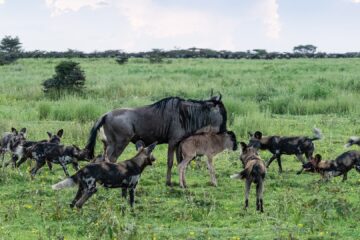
287	97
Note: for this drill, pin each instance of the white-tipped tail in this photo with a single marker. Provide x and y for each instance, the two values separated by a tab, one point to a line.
317	133
352	140
69	182
235	176
102	134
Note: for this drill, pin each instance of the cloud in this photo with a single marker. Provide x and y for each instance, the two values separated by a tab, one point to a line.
2	2
271	18
62	6
355	1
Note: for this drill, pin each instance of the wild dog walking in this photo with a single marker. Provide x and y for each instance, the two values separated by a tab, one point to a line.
54	153
10	140
333	168
208	144
254	172
123	175
285	145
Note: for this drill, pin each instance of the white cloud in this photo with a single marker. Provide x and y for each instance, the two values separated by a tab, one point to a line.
62	6
2	2
271	18
355	1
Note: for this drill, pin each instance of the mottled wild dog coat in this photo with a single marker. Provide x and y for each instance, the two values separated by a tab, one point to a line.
254	172
169	121
10	140
208	144
333	168
285	145
54	153
123	175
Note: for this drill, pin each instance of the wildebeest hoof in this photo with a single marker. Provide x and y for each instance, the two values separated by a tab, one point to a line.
71	205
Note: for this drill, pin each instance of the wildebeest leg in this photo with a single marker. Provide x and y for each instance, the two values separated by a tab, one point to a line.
247	191
301	158
124	192
278	159
132	196
270	160
170	161
259	196
113	151
38	165
182	169
344	177
212	172
77	196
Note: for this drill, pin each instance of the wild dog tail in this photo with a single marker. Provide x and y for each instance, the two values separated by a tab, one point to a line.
352	141
257	173
90	146
241	175
68	182
317	134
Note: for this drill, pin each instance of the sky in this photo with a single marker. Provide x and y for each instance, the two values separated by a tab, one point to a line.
142	25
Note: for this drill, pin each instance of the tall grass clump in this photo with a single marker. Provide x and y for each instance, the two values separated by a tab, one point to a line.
314	91
44	110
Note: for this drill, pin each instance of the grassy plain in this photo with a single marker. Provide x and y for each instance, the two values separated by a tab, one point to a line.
285	97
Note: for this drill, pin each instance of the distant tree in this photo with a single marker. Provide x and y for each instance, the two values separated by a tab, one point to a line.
10	50
305	49
156	56
68	76
122	58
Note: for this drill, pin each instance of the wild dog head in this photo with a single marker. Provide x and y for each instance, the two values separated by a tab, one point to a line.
247	152
78	153
145	153
55	138
17	137
255	139
313	164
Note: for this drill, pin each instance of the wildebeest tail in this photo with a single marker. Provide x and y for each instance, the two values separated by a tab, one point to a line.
90	146
68	182
317	134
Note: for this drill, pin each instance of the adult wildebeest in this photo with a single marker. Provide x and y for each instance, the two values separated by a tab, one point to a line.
167	121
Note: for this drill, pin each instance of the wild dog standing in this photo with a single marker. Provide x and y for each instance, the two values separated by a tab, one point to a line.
54	153
254	172
123	175
208	144
10	140
20	151
285	145
340	166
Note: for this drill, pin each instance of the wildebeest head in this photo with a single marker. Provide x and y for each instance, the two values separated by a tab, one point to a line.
55	138
255	139
145	152
247	152
230	141
312	165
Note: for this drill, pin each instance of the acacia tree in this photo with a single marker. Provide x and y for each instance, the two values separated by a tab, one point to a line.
305	49
10	50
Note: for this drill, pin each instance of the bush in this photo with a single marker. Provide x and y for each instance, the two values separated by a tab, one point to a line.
122	59
69	77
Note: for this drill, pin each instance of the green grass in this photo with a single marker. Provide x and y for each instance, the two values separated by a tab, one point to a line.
286	97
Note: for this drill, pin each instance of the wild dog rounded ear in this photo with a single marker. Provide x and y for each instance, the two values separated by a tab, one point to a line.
23	130
318	158
151	147
49	134
13	130
243	146
139	145
60	133
258	135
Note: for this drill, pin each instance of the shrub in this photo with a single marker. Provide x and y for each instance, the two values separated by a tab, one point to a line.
69	76
122	59
156	56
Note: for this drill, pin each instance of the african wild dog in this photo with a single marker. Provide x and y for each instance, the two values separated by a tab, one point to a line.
55	153
333	168
9	142
285	145
254	172
352	141
123	175
208	144
20	151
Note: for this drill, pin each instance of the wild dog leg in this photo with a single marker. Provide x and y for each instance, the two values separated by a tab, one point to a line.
132	196
75	165
77	196
63	165
124	192
278	159
87	193
247	191
49	165
270	160
259	196
344	177
39	164
21	161
212	172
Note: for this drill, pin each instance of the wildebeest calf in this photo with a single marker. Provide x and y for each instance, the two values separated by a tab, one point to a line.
285	145
208	144
123	175
333	168
254	172
54	153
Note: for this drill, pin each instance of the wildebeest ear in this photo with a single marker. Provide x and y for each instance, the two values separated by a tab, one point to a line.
139	145
13	130
258	135
243	146
217	98
318	157
60	133
49	134
23	130
151	147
